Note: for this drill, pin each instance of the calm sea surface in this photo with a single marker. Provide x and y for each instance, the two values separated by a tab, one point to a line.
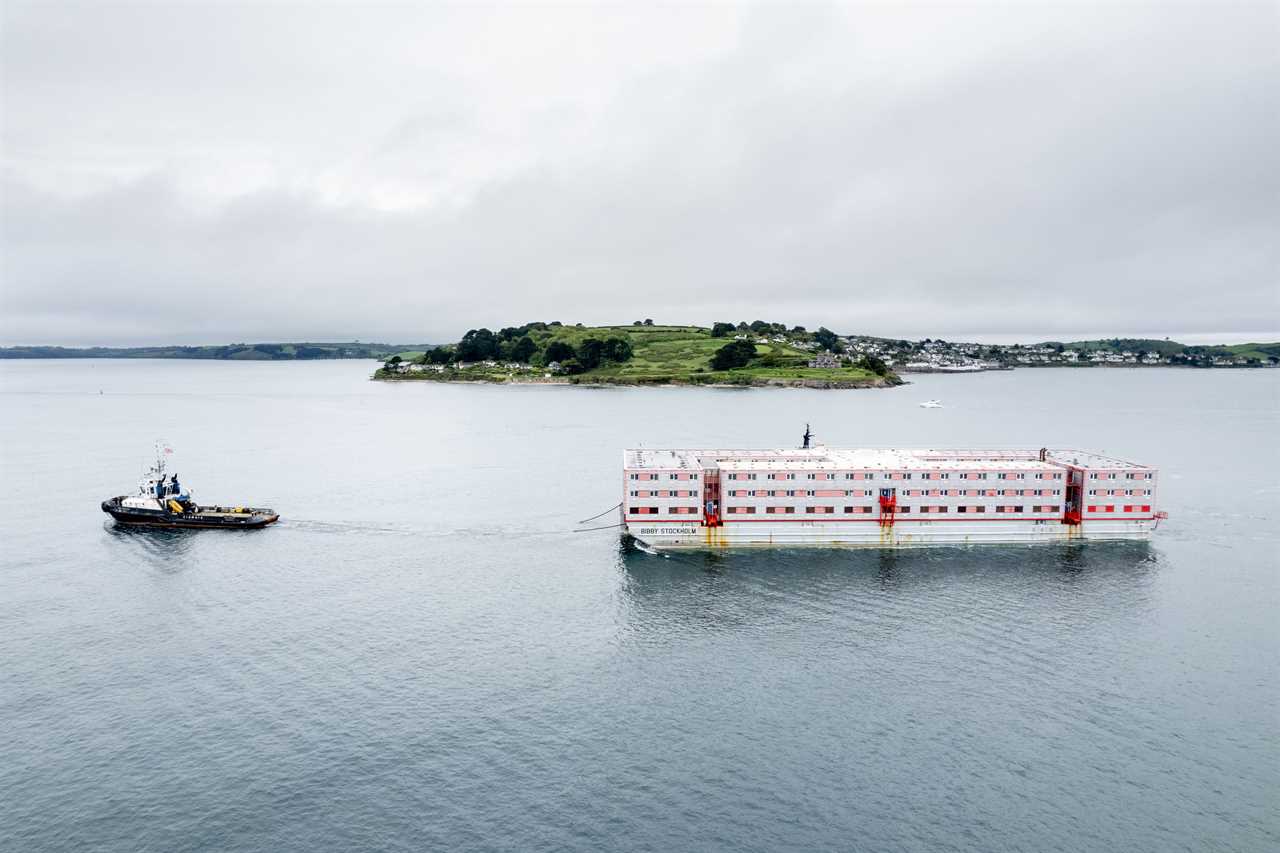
421	656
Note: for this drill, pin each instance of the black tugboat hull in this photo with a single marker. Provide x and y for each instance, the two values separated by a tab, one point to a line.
200	519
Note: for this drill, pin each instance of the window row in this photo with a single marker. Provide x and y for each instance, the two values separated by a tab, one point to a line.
1113	476
653	510
652	475
1120	492
974	493
898	510
1126	508
664	493
800	493
894	475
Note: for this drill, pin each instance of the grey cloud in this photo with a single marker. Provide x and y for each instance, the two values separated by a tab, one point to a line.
939	171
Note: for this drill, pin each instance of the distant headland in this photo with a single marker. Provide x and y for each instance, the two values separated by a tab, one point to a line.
306	351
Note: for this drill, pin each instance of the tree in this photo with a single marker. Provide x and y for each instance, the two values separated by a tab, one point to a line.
478	345
395	359
637	323
720	330
524	349
797	330
617	350
826	339
733	354
590	352
648	322
439	355
557	351
873	363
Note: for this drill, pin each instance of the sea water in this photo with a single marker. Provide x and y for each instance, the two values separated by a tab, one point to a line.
421	655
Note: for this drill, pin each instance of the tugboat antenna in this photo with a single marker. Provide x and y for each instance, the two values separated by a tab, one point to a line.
807	436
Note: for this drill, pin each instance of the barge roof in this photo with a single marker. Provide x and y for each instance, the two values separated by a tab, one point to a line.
871	459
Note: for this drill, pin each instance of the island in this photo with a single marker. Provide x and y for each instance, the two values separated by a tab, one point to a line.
644	353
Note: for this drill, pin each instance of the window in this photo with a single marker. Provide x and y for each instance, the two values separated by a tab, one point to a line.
857	510
1093	508
1128	507
741	510
779	510
1111	508
1093	476
902	510
683	510
820	510
643	510
1008	509
1146	507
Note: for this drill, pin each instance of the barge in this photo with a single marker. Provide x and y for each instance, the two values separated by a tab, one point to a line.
819	496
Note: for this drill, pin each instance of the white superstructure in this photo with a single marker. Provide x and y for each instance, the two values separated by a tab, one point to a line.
883	497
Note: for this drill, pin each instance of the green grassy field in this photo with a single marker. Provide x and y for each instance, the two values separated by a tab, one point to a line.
1259	351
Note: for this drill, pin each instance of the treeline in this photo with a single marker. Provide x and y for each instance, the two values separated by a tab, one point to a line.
228	352
533	344
824	337
742	353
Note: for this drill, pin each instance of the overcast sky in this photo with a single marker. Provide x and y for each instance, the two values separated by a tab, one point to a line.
214	173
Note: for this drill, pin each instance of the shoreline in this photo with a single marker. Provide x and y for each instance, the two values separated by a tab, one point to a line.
762	382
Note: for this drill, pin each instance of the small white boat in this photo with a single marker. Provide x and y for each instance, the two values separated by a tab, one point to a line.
931	404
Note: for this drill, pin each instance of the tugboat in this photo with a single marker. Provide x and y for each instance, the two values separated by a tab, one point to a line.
161	501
